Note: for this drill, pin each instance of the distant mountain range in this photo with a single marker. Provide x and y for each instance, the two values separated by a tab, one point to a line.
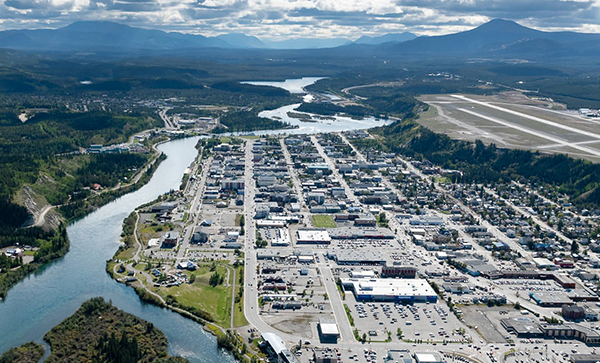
497	38
387	38
502	38
106	36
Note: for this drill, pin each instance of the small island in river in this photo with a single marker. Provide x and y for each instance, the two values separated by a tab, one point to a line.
99	332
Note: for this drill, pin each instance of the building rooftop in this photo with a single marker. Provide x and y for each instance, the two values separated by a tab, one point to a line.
585	358
551	298
359	256
328	327
391	287
428	357
313	236
275	341
521	325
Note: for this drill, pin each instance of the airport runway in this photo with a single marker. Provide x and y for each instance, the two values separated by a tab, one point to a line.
514	125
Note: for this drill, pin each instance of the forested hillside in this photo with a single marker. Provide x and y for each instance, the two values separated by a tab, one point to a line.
42	154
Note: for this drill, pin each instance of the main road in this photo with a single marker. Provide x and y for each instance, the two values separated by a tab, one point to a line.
251	307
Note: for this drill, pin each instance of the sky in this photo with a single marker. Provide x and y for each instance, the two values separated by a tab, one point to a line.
284	19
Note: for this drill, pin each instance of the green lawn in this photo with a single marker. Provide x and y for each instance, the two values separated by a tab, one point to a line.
238	311
323	221
214	300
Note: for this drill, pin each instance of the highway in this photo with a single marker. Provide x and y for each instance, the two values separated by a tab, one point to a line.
163	115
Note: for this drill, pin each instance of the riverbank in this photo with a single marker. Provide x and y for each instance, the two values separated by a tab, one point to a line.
80	274
158	278
127	267
53	246
26	353
81	208
52	250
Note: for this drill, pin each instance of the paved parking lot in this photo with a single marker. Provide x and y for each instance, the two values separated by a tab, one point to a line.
418	322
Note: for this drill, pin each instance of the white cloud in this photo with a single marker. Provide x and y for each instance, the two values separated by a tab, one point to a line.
294	18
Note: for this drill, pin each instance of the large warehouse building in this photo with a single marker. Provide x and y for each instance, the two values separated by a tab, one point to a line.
396	290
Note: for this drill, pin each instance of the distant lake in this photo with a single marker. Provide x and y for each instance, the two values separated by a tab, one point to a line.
290	85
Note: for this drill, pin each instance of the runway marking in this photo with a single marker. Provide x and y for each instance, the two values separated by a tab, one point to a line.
575	143
533	118
532	132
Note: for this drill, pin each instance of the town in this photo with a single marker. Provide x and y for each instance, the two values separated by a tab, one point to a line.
318	251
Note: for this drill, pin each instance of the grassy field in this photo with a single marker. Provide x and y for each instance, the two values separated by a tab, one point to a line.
214	300
238	311
323	221
125	255
442	180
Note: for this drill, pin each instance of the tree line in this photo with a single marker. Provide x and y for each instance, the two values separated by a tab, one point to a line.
480	163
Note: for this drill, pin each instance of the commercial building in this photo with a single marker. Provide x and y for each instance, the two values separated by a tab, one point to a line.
358	257
426	221
428	357
318	168
365	219
316	197
278	237
163	207
199	236
328	331
573	312
314	236
171	239
551	299
572	331
398	356
395	290
585	358
267	254
361	233
276	349
408	272
522	326
232	184
363	274
325	356
287	305
269	223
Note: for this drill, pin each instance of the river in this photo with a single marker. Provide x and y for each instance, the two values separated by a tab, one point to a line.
55	291
290	85
331	124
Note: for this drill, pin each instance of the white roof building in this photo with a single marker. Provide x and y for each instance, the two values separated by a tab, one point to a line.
397	290
428	357
316	236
